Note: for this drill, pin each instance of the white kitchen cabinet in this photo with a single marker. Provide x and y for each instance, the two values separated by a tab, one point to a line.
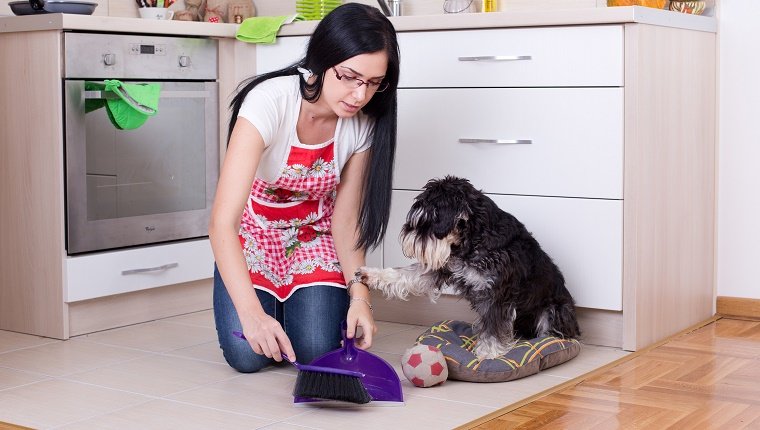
613	172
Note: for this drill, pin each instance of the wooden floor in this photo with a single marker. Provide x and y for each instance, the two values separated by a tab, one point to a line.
706	379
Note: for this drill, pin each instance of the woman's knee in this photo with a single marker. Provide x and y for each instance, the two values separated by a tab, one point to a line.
237	352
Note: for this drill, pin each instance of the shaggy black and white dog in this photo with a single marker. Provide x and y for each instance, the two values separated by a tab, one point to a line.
461	239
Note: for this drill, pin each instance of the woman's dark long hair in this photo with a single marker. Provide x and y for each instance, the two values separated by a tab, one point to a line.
350	30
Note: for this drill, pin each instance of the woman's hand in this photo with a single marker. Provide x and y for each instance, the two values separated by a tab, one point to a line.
360	315
266	336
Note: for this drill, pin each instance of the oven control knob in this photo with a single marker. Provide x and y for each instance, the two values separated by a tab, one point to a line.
109	59
184	61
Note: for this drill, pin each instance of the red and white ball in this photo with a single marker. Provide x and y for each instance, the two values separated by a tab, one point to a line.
424	365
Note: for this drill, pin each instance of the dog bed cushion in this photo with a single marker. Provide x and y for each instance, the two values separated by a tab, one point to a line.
457	341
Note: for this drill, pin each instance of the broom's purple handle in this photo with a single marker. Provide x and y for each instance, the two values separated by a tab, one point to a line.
311	368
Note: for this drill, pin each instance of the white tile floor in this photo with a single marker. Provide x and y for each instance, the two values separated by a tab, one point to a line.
170	374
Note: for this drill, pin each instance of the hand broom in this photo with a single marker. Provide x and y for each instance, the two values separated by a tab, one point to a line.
326	383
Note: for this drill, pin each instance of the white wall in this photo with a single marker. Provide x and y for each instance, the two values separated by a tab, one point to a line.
739	149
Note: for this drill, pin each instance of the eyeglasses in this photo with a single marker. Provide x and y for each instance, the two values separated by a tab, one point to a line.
354	82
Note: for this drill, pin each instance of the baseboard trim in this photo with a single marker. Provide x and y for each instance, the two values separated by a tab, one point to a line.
140	306
738	307
599	327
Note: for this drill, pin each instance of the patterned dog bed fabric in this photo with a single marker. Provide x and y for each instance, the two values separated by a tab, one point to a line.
457	341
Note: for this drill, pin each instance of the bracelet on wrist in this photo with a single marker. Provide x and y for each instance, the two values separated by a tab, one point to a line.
362	299
352	282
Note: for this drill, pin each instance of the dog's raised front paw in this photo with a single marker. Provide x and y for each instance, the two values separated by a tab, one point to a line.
368	276
384	280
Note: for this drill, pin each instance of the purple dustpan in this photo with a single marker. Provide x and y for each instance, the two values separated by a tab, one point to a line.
380	379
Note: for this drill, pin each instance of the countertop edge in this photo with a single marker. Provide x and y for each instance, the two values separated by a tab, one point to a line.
553	17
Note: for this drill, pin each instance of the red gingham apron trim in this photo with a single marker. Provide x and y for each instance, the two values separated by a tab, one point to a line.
298	287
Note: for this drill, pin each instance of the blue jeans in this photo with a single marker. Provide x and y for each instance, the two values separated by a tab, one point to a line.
311	318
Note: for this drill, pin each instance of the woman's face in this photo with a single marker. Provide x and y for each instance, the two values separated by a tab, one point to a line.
343	95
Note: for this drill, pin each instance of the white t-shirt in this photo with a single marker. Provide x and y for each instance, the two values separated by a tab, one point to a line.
273	107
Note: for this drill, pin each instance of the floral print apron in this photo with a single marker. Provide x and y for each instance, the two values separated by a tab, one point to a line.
285	229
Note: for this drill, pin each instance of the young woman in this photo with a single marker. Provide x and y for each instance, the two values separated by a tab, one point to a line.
303	193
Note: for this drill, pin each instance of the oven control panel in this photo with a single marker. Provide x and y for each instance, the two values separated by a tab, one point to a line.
143	57
147	49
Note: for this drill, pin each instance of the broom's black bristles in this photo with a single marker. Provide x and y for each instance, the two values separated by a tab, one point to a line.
330	386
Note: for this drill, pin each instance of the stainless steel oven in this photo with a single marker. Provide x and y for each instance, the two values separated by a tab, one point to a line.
154	183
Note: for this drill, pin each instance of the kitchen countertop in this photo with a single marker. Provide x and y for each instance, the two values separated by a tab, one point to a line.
602	15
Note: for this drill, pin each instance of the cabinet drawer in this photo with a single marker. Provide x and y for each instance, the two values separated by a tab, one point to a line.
100	275
575	134
522	57
584	237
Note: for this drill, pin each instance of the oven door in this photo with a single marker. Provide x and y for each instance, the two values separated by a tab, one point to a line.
152	184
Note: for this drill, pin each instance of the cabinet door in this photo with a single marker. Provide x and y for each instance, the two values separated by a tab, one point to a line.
571	139
284	52
584	237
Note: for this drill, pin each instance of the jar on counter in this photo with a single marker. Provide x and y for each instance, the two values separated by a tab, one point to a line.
490	6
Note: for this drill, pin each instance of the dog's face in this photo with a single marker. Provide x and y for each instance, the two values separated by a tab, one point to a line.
437	220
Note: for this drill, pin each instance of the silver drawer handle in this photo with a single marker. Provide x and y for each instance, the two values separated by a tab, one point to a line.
150	269
96	95
497	58
505	141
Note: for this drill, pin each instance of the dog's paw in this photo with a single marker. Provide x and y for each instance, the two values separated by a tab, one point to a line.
487	349
385	280
369	276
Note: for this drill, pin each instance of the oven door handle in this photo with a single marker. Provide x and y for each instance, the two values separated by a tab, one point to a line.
100	95
150	269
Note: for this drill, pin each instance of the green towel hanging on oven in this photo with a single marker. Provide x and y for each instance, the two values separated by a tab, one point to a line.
128	105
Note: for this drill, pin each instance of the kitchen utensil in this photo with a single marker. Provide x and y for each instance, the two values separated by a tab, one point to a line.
384	7
380	379
57	6
159	13
23	7
390	7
